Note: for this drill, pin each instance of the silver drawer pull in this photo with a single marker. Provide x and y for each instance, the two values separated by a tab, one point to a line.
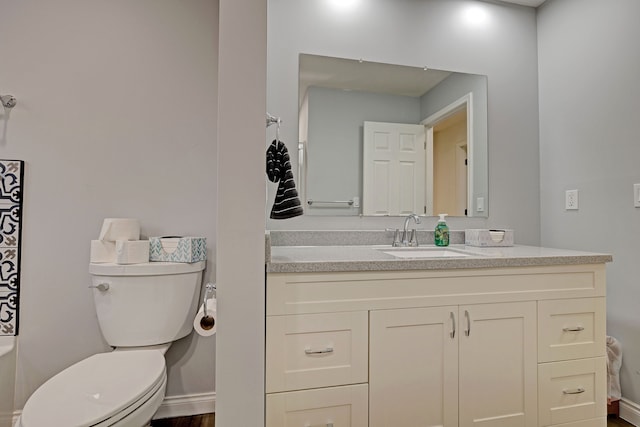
467	332
329	424
323	351
574	391
452	334
574	329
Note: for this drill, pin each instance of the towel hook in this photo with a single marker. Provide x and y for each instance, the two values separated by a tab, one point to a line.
274	120
8	101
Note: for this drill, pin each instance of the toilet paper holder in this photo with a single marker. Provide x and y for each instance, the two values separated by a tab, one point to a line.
209	290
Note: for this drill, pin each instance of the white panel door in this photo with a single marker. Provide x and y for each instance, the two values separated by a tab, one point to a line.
394	169
498	365
413	367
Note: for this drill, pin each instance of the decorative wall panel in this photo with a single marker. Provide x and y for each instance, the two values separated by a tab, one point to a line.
11	184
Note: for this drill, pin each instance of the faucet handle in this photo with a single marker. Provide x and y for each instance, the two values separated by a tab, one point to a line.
413	241
396	238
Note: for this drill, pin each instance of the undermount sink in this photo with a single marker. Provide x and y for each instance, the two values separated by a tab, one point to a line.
425	252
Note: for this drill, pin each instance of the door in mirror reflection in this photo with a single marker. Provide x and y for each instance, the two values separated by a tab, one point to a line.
394	169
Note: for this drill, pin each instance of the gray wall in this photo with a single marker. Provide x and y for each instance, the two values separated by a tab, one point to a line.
116	116
436	34
334	145
589	129
240	222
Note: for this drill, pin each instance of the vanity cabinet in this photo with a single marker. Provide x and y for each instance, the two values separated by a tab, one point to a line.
499	347
470	365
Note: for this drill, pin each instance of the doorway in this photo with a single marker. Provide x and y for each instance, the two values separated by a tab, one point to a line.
449	137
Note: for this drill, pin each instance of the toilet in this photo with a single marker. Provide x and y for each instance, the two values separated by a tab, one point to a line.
142	309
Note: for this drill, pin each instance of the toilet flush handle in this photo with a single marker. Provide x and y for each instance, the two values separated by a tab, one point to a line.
102	287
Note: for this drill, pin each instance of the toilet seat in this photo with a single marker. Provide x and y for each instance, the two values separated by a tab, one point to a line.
98	391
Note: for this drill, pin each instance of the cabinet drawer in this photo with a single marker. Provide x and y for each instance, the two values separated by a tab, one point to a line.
326	407
316	350
572	391
571	329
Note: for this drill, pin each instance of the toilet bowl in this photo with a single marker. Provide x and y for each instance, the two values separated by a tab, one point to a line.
150	305
108	389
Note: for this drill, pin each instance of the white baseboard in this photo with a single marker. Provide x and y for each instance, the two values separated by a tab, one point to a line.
630	411
186	405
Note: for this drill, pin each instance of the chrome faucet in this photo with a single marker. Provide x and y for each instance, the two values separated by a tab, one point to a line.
407	240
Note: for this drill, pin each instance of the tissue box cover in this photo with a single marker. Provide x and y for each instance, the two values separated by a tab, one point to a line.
177	249
482	237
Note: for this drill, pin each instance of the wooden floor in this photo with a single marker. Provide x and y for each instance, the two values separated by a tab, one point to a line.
208	420
618	422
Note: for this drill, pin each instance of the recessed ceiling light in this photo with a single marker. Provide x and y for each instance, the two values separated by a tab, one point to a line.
475	15
343	4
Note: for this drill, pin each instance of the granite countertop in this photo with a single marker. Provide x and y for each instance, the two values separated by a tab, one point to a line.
327	258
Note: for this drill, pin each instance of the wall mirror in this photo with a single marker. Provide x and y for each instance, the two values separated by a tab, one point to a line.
380	139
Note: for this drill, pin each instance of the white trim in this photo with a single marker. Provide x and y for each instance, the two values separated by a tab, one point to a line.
186	405
174	406
630	411
429	122
428	198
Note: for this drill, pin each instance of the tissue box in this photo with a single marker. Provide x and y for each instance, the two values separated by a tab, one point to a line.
177	249
482	237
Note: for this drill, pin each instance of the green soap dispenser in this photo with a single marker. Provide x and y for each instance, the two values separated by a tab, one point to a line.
441	236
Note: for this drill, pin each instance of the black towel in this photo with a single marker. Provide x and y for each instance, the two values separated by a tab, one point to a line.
287	204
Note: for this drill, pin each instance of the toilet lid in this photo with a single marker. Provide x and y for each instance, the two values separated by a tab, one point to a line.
94	389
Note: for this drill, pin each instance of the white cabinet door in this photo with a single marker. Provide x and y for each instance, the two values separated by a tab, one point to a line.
413	367
498	365
470	366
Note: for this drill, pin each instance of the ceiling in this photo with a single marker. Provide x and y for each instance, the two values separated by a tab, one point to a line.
366	76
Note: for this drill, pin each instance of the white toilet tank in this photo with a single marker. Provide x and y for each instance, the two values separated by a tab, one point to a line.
146	304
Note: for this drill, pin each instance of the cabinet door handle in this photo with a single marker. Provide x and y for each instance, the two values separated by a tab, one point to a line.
452	334
321	351
329	424
574	391
573	329
468	331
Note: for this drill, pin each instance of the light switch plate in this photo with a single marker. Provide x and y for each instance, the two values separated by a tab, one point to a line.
571	200
636	195
480	204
